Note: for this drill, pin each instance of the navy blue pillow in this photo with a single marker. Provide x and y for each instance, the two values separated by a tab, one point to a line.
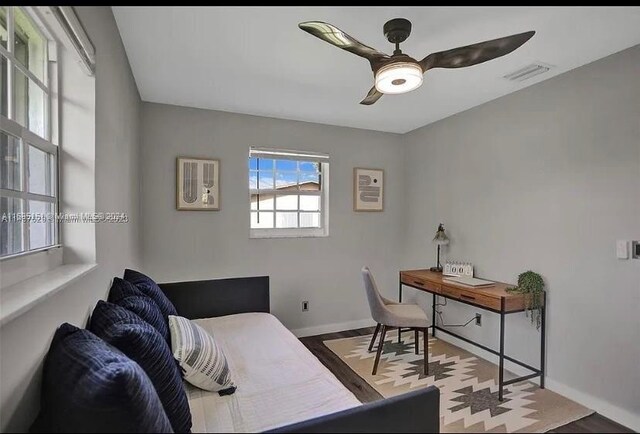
120	289
146	309
149	287
143	344
125	294
89	386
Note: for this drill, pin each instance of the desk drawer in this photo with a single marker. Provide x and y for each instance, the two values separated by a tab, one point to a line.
471	296
421	283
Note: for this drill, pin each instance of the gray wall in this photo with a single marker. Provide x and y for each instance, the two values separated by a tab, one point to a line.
25	340
546	179
326	271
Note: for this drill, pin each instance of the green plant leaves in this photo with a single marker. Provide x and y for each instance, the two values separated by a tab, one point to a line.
531	283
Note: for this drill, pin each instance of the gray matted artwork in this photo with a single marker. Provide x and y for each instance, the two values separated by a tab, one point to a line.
198	184
368	189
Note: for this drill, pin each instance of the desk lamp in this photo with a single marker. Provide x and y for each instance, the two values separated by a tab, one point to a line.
440	239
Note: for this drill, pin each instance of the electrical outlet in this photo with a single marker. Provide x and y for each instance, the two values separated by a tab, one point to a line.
479	319
305	306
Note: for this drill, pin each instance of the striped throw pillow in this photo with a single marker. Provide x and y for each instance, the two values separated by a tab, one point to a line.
201	360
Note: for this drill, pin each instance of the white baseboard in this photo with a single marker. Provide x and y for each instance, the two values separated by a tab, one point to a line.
331	328
617	414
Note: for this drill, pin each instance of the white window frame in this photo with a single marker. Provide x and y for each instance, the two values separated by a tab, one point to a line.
323	159
26	137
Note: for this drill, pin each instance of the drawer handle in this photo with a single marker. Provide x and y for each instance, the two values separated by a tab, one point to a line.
417	282
467	296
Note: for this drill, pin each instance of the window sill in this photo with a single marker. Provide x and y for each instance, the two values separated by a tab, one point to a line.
271	233
21	297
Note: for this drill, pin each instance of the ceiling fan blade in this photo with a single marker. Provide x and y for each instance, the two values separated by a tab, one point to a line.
340	39
474	54
371	97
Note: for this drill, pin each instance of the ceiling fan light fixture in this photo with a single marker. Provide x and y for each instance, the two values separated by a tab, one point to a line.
400	73
399	77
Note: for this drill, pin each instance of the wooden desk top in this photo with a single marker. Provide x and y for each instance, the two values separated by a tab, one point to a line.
486	296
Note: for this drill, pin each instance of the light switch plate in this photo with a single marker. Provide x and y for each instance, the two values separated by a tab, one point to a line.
635	249
622	249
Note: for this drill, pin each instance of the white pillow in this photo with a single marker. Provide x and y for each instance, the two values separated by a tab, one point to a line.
202	361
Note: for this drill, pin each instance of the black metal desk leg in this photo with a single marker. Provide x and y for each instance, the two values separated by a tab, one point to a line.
501	372
399	301
542	338
433	316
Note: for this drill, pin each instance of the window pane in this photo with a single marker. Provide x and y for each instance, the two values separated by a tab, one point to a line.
262	202
10	226
40	172
309	166
41	224
261	180
260	163
29	46
262	220
287	180
289	165
310	203
309	181
29	103
4	86
309	219
4	36
286	220
9	162
288	202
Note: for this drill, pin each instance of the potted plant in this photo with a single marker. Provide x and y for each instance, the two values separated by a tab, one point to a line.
532	285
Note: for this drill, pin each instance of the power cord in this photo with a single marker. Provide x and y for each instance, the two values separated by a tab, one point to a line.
439	312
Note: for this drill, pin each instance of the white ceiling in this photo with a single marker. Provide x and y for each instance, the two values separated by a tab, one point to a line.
255	60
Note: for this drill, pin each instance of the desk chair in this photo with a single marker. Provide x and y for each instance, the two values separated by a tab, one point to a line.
391	315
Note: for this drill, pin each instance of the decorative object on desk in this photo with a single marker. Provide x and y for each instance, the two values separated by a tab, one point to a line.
441	239
368	189
532	284
457	269
198	184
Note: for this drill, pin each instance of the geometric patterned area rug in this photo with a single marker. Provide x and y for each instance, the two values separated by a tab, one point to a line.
468	386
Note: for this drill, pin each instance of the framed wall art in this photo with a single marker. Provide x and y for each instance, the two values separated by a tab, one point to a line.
198	184
368	189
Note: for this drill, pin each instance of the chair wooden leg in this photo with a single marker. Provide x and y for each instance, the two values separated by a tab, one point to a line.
375	335
416	340
426	351
379	352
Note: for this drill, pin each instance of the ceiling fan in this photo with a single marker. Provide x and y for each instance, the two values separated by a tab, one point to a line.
400	73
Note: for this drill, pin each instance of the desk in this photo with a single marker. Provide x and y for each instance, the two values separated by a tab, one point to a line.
491	298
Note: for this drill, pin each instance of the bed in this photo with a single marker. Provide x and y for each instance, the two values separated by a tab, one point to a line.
282	387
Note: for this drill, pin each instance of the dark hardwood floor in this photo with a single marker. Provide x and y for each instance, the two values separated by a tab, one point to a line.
594	423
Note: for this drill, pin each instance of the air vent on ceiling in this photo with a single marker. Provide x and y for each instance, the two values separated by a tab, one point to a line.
528	72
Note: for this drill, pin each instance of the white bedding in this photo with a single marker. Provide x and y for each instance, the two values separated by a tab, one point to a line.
279	381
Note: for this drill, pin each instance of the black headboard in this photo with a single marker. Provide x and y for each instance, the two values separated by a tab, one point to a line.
218	297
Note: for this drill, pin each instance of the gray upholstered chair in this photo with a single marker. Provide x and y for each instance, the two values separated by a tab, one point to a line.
392	315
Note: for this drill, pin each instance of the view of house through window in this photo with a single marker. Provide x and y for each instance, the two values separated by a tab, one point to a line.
28	158
287	192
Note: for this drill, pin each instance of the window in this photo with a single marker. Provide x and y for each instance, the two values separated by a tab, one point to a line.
28	156
288	191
